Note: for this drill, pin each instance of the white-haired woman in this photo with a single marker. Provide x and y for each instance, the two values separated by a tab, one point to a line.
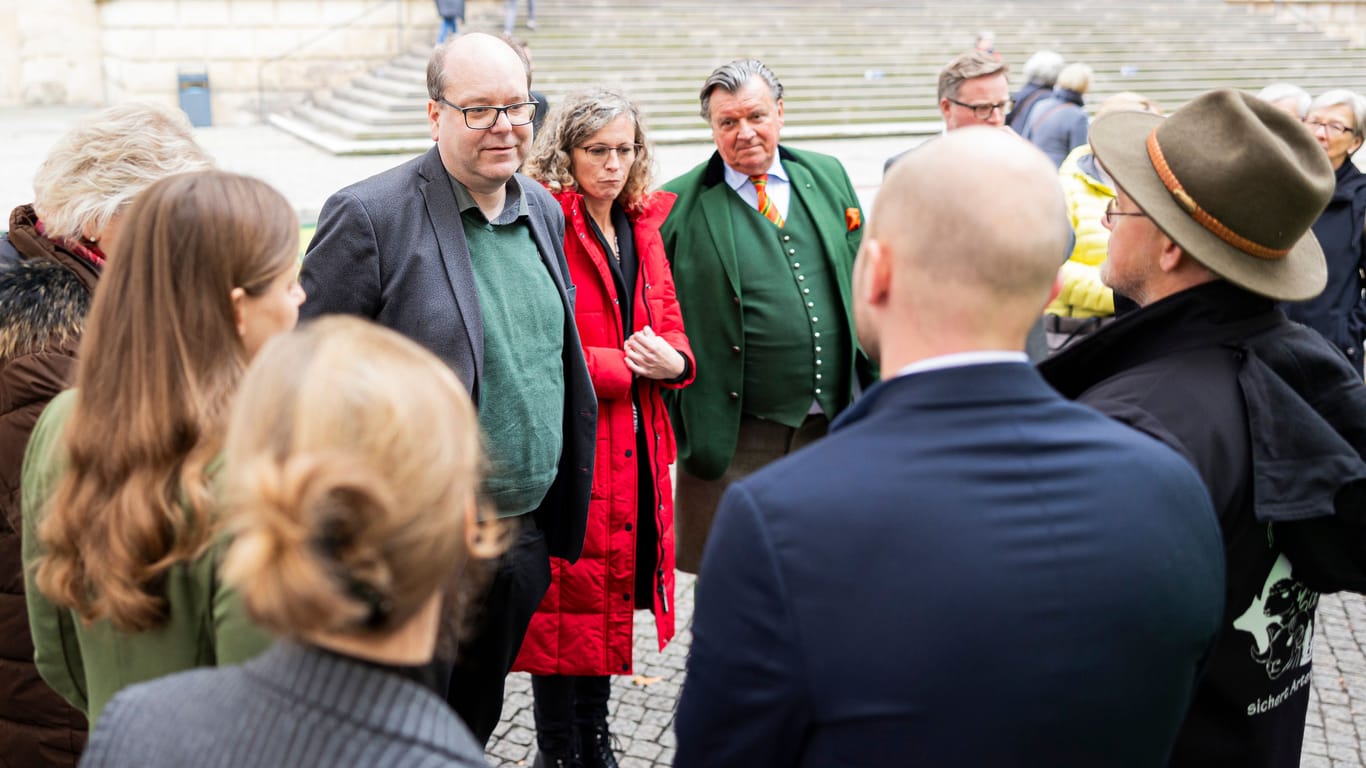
49	265
1336	118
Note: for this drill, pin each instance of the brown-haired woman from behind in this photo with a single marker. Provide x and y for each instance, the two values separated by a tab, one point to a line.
353	463
120	534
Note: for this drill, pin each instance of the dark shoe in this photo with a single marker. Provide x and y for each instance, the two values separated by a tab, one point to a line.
568	759
595	746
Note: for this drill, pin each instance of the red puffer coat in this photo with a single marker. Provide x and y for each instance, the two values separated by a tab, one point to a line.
584	624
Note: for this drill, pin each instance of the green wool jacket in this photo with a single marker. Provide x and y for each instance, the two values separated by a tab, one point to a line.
88	664
703	249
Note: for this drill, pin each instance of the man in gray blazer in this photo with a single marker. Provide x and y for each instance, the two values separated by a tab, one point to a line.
460	253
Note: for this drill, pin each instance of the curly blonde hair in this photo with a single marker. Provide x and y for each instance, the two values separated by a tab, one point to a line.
571	124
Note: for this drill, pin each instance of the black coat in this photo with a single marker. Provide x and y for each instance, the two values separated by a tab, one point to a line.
1339	313
1274	420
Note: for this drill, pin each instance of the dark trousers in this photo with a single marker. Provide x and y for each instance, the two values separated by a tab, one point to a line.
483	663
563	702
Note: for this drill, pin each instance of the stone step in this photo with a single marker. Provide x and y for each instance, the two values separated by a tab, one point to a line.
849	70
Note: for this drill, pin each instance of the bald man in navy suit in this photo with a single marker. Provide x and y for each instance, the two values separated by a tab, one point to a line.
969	570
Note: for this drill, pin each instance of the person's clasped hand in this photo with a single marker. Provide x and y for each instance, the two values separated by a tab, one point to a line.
649	356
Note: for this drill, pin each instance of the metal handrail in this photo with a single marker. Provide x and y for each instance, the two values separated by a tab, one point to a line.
261	68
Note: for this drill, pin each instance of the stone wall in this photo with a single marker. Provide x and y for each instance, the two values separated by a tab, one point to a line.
50	53
1335	18
96	52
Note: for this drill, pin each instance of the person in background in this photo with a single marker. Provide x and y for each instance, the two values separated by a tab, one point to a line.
1058	124
510	17
961	529
973	90
349	524
595	158
50	263
1041	72
1084	302
121	529
452	13
1286	96
1337	119
762	240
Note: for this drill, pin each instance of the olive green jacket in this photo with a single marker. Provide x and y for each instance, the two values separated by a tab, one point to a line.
89	663
703	249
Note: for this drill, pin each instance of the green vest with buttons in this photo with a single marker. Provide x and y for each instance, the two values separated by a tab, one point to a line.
793	319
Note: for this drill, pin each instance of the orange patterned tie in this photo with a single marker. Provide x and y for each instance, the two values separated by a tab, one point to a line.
766	206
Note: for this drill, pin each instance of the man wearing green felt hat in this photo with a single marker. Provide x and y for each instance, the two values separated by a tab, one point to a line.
1211	227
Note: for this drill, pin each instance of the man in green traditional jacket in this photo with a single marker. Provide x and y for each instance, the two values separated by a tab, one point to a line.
762	241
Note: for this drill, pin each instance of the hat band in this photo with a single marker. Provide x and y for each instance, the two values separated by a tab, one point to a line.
1202	216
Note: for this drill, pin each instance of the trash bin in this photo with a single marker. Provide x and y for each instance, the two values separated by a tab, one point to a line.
194	98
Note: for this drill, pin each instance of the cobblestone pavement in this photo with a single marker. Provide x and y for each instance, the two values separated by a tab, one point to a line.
1337	701
641	711
642	706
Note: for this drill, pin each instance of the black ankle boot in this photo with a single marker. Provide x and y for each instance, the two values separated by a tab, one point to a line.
595	746
569	759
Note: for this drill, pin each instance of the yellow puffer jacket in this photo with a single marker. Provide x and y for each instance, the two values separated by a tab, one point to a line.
1083	294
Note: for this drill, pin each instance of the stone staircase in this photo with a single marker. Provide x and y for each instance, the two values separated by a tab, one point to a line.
865	68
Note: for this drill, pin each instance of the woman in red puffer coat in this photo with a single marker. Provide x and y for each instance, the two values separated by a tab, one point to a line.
593	156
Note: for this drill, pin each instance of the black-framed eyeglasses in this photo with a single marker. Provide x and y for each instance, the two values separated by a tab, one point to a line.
598	153
1332	129
482	117
983	111
1112	210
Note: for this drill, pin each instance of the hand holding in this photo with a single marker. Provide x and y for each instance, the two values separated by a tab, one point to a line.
649	356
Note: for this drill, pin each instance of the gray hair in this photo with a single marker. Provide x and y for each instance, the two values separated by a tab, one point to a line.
101	164
436	63
734	76
1043	67
1075	77
1342	96
1283	91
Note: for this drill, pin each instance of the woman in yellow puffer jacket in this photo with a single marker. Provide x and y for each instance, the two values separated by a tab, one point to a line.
1084	301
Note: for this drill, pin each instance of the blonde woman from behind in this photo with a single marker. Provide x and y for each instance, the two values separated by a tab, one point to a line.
353	463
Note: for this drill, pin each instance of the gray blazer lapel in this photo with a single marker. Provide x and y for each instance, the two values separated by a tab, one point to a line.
449	233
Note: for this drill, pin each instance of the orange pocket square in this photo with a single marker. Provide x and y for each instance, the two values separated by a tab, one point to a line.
853	219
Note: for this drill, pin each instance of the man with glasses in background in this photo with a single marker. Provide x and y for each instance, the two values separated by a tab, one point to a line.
973	90
461	253
762	241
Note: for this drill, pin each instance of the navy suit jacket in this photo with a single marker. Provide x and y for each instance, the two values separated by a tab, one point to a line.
969	571
392	249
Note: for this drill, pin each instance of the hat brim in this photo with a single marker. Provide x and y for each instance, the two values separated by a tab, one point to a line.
1120	144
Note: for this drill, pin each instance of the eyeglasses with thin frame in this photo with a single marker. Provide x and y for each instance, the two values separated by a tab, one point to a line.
983	111
598	153
482	117
1112	210
1332	129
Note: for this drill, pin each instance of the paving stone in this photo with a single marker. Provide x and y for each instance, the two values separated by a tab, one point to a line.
642	716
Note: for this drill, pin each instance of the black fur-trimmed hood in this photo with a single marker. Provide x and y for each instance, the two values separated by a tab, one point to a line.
42	306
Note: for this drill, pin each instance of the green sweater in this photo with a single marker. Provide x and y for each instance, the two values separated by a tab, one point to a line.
88	664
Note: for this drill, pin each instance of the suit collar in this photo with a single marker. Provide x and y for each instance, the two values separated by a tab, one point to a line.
965	386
